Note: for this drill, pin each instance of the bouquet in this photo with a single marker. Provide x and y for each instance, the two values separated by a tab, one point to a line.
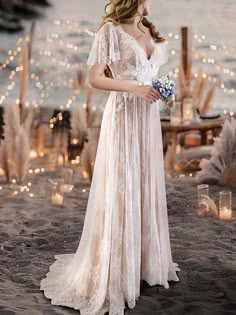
166	87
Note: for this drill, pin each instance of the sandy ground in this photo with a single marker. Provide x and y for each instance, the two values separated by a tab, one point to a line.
32	231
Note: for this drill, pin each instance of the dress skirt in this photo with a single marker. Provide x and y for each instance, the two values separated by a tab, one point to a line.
125	237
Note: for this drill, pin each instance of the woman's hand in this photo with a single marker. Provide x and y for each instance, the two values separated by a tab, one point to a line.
146	92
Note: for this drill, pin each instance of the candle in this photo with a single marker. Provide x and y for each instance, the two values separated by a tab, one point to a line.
57	194
67	188
225	213
187	109
225	205
57	199
67	175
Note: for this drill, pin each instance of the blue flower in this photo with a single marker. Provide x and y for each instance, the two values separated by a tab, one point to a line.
165	86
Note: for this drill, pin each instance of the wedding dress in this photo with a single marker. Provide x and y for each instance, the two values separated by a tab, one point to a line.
125	236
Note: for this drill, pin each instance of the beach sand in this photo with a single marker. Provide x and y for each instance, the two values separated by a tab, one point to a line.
32	231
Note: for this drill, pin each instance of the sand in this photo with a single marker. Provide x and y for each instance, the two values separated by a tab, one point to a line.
32	231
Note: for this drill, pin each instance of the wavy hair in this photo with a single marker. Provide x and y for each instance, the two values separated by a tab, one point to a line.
124	11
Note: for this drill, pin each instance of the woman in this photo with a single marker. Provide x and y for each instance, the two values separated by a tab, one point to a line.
125	237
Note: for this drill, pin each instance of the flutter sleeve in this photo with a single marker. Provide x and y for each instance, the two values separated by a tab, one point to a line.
105	47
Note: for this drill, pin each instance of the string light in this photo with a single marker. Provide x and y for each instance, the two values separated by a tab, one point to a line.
211	61
12	54
45	88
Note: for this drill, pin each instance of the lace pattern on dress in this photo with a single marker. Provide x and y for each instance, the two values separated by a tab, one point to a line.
125	236
105	48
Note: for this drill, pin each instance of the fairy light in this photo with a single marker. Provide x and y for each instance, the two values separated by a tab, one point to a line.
45	88
220	84
76	161
230	51
212	61
36	171
40	85
12	56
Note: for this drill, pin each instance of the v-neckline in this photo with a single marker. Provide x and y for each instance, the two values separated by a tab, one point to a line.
138	44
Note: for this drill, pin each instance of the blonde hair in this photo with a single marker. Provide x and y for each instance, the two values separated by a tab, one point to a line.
123	11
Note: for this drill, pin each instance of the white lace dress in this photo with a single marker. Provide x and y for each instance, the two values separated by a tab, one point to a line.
125	236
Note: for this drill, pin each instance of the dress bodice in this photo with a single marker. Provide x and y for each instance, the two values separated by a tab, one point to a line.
126	58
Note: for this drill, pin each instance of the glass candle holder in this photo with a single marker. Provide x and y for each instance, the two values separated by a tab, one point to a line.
225	204
203	195
175	115
57	192
42	188
188	109
67	176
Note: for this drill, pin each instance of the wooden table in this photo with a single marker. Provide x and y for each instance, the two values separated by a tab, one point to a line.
203	126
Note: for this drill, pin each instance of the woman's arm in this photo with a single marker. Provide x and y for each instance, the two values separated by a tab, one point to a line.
99	81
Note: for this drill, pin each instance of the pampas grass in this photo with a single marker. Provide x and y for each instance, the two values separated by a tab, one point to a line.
201	91
28	122
79	123
212	206
208	100
15	148
182	87
81	130
11	120
79	82
97	118
223	158
90	94
64	146
88	155
11	130
4	161
195	89
197	83
60	144
22	151
40	139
